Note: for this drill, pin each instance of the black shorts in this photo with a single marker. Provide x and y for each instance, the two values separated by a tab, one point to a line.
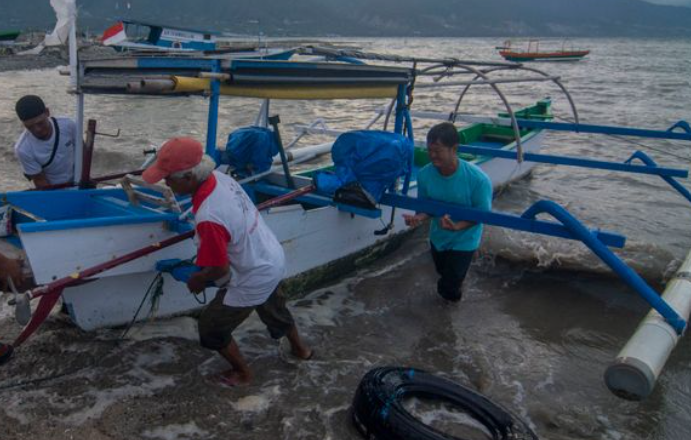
218	321
452	267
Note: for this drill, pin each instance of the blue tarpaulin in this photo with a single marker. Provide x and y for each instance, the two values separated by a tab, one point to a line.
250	150
375	159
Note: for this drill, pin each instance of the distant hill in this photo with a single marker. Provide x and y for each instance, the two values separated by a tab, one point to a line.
453	18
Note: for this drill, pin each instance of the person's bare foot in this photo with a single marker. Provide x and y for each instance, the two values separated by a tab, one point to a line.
234	378
303	353
298	348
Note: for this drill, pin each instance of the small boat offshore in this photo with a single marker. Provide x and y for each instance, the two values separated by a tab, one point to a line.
99	248
9	36
531	51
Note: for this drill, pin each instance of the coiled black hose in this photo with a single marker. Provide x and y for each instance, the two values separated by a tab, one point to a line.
378	412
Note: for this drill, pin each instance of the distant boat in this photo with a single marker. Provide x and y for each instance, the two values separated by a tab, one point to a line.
8	37
533	52
139	36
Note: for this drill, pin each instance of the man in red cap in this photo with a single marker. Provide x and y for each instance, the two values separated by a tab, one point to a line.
233	241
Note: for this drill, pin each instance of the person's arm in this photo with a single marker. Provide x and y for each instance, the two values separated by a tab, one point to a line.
212	255
419	217
446	223
480	198
40	180
199	280
30	166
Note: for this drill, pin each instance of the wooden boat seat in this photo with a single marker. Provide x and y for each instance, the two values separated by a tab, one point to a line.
166	201
27	214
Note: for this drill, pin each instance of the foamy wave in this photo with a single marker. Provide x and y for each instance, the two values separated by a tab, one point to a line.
652	262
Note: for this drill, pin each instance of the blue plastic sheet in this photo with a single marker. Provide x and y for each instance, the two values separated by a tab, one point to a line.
250	150
375	159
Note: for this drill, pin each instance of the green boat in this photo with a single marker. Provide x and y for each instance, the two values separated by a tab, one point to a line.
9	36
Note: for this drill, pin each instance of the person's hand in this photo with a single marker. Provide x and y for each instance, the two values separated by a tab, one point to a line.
197	282
10	268
448	224
414	220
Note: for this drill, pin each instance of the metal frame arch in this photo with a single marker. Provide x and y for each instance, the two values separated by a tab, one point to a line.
574	110
514	124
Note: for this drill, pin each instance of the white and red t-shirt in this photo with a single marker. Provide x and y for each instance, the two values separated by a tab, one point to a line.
230	230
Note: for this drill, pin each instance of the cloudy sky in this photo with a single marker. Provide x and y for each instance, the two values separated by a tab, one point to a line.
672	2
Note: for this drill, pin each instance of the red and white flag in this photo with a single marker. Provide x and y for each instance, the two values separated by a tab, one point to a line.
114	34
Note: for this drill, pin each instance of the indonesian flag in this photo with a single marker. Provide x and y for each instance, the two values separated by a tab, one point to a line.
114	34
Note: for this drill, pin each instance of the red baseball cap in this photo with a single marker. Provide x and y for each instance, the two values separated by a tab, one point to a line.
177	154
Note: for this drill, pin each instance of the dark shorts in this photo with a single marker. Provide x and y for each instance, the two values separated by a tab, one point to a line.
452	267
218	321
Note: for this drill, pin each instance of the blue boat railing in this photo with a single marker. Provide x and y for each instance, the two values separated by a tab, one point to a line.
648	161
650	166
568	226
609	130
628	275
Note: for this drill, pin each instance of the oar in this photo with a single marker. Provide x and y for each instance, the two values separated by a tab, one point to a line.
50	293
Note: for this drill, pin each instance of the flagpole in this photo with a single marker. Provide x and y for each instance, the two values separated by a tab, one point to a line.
74	86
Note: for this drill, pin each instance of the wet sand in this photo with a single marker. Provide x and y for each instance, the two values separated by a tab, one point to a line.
157	383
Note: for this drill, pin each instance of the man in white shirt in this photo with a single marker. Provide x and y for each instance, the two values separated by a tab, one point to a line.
232	241
46	148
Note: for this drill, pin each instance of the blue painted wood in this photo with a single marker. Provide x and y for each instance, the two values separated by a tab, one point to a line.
628	275
681	189
69	209
603	129
212	121
438	209
652	169
569	227
400	109
79	223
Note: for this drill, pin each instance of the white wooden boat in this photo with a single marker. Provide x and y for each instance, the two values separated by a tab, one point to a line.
80	229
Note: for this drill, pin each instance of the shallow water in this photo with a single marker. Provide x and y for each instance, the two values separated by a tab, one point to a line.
534	340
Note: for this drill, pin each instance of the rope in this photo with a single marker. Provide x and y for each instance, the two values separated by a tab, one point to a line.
157	284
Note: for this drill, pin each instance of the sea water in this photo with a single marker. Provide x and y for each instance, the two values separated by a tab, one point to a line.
539	322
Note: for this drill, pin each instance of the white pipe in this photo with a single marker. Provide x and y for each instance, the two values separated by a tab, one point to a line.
316	150
636	369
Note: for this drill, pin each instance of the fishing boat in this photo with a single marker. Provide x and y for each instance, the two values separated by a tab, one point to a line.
101	249
145	37
8	41
116	217
533	52
9	37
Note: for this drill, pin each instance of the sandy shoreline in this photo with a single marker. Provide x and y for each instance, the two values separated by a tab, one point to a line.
51	57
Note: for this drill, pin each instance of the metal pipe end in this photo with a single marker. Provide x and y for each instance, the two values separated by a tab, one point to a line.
630	378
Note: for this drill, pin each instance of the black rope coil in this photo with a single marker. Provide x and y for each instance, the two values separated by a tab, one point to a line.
378	412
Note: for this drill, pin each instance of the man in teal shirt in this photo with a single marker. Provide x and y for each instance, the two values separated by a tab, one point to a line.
449	179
